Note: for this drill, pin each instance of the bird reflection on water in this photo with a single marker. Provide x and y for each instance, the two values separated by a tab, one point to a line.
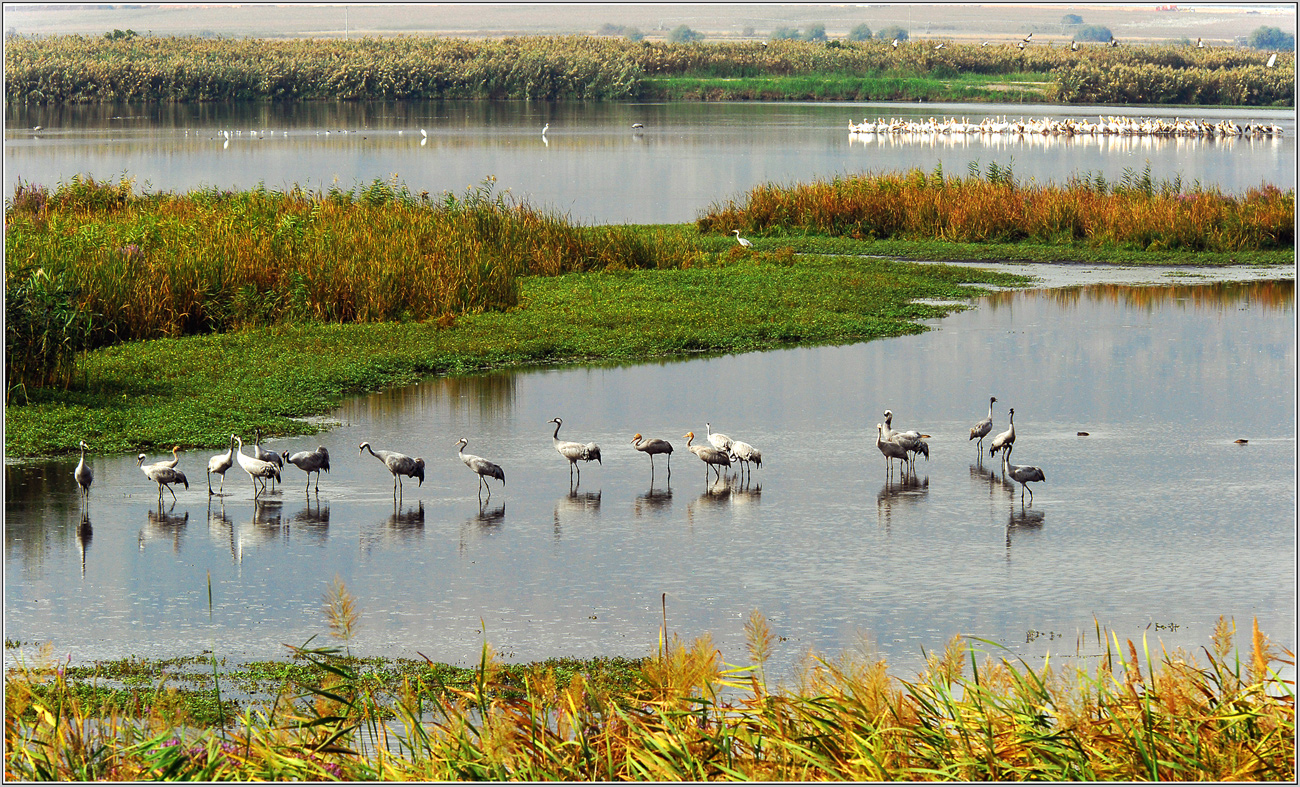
313	521
653	500
906	490
164	526
485	523
1022	520
84	534
576	504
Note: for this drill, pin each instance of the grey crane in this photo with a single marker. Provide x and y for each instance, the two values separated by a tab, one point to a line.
746	454
981	429
82	473
710	456
910	440
1024	474
163	474
717	440
266	454
654	446
256	468
219	464
309	462
890	449
1005	440
398	464
483	467
742	241
573	451
175	460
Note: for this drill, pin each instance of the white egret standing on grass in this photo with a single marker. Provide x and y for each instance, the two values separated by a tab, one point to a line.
742	241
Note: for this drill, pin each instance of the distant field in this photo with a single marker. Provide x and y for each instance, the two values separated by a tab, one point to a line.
1219	27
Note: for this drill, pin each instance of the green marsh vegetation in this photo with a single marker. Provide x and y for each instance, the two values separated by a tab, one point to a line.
76	69
1118	712
1135	213
158	315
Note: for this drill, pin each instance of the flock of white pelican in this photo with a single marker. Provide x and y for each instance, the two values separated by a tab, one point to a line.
1105	126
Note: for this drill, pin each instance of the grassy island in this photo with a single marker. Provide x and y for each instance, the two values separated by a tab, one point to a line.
133	318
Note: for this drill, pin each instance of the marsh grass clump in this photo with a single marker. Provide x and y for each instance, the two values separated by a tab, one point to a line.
140	266
1134	213
1118	713
82	69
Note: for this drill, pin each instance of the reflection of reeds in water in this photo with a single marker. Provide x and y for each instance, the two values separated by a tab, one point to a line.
493	393
164	526
1269	295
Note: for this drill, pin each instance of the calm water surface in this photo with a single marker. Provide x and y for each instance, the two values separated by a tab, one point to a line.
1155	523
592	165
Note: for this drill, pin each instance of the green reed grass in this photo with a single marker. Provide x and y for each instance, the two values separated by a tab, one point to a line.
1115	712
1134	213
143	266
197	390
81	69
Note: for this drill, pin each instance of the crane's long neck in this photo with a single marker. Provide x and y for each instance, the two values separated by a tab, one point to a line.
991	408
555	438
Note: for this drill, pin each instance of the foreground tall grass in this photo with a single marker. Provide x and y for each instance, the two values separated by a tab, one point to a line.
1125	714
1134	213
120	265
79	69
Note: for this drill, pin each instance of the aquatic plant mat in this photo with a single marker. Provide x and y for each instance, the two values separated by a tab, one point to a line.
1115	709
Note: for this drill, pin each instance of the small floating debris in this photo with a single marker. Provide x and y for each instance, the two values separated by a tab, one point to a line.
1082	434
1241	441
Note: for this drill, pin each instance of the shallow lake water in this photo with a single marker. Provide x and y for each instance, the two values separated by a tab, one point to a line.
591	164
1153	524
